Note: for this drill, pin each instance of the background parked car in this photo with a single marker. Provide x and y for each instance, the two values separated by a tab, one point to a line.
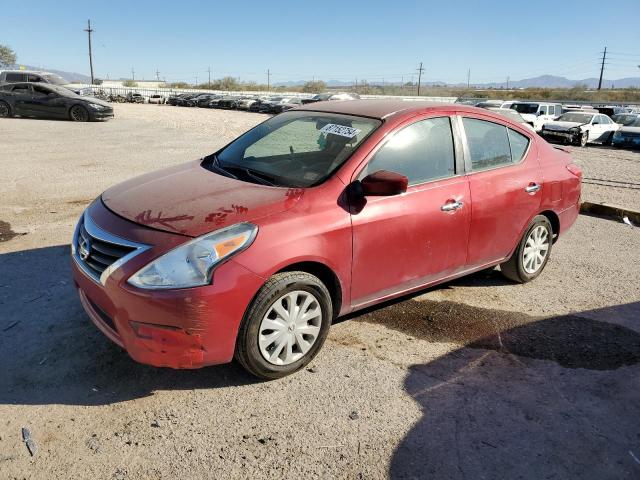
625	119
325	97
15	76
628	135
158	99
50	101
580	128
246	102
134	98
287	104
513	115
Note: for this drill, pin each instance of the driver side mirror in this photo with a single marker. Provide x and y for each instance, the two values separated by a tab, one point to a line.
384	183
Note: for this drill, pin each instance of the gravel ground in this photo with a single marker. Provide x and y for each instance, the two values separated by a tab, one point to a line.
610	175
478	378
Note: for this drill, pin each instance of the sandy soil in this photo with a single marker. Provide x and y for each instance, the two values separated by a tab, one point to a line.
479	378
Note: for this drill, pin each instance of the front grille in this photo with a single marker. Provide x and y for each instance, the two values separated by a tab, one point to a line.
101	254
98	252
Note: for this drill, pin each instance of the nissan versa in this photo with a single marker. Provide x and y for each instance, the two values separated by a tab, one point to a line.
328	208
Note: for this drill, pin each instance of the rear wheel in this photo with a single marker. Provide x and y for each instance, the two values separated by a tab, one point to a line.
285	326
5	110
79	114
532	253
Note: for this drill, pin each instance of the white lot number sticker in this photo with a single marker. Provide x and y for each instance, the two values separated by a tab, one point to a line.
341	130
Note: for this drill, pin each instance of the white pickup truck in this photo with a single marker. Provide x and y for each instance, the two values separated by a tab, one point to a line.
537	114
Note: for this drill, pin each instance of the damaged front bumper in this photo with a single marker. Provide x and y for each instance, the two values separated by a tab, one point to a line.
181	328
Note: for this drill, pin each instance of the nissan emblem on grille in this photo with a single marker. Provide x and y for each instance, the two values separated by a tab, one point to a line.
84	248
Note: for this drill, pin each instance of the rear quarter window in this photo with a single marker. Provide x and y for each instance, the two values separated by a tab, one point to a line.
492	145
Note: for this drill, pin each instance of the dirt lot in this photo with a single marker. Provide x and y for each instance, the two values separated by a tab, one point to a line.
479	378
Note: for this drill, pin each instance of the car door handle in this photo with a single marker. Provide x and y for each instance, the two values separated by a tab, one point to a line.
451	206
532	188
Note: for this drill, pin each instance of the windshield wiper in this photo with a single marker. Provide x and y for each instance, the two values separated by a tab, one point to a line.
256	175
216	164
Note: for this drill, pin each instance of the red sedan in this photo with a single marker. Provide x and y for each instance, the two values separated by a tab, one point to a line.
252	251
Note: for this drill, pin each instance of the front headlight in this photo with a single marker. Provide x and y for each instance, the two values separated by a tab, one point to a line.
192	264
95	106
574	130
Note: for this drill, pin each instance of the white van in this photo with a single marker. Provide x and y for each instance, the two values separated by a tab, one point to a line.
537	113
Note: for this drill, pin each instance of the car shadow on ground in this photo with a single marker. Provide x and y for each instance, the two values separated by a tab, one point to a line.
524	397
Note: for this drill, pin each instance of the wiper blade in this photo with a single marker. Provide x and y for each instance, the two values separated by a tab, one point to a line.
258	176
216	164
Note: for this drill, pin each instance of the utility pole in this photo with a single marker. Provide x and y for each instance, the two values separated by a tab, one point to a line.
420	70
196	79
209	72
507	82
157	75
89	30
268	80
133	75
468	78
604	57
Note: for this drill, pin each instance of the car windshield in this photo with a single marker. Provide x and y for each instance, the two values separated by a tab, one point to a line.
525	107
293	149
575	117
55	79
626	120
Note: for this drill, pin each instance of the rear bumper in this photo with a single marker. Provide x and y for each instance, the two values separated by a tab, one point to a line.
183	328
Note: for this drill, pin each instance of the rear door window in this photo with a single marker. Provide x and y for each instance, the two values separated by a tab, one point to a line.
22	90
518	144
422	151
488	144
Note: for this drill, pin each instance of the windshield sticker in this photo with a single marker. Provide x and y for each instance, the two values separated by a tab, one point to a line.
341	130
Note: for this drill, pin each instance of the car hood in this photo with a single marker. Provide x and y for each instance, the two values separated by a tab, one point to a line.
97	101
562	126
630	129
191	200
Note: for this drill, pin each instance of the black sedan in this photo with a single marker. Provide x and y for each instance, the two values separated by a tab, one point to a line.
50	101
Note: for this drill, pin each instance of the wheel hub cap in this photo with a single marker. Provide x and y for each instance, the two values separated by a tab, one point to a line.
290	328
535	250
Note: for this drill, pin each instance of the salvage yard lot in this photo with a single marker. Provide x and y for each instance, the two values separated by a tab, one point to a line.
479	378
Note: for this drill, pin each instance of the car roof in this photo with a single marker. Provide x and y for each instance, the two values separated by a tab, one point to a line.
381	108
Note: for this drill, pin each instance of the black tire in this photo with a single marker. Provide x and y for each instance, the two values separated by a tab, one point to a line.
78	113
584	138
5	110
514	268
247	349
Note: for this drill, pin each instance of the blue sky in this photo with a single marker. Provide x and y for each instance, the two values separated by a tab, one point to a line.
330	39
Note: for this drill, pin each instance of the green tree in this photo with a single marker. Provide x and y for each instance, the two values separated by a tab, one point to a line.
7	56
129	83
314	87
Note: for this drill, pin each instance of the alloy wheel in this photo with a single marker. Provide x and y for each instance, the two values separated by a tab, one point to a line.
535	249
290	327
79	114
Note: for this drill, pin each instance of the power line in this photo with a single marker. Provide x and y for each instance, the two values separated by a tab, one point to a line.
89	30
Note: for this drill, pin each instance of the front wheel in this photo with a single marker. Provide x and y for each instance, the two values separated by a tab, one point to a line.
5	110
584	137
285	326
532	253
79	114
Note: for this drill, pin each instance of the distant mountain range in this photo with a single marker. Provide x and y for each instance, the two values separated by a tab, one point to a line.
543	81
